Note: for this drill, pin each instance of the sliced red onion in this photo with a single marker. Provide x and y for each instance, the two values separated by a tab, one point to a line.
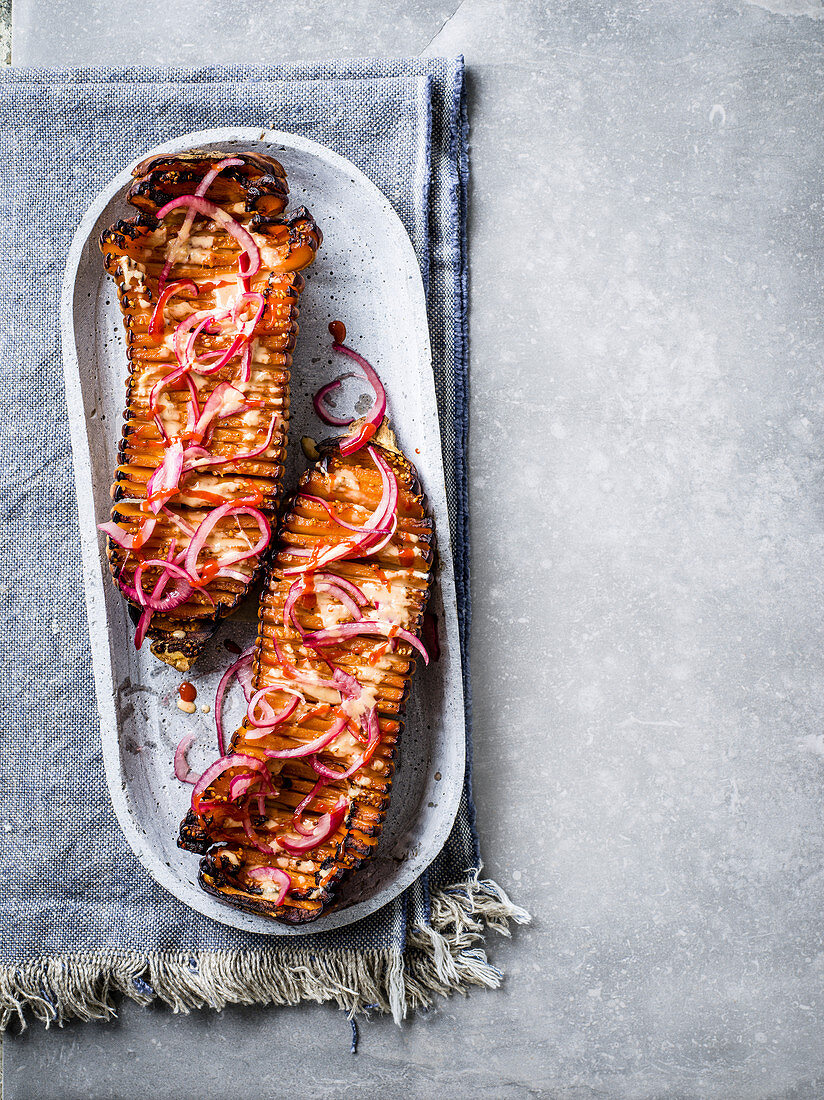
142	627
159	386
243	661
125	540
179	521
182	770
127	590
273	718
373	418
224	400
246	362
299	589
240	784
233	574
376	549
342	522
204	459
300	809
246	677
208	524
236	760
250	252
187	332
249	298
252	836
308	679
320	397
132	594
347	684
165	481
363	545
307	749
341	582
328	773
335	634
210	176
161	427
273	874
174	599
326	826
214	362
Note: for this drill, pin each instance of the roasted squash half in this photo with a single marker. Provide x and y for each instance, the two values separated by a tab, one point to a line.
208	279
299	800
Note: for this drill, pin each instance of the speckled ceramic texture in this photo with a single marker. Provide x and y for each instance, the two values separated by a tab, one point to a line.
367	276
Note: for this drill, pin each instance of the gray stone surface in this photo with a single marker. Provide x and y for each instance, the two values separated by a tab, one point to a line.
648	525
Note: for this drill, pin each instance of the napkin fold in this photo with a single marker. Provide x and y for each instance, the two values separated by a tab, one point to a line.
81	919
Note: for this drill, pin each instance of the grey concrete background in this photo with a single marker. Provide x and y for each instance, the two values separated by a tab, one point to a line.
647	466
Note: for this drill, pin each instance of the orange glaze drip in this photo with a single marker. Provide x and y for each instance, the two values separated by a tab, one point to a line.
377	653
337	330
187	692
406	555
208	571
316	712
210	498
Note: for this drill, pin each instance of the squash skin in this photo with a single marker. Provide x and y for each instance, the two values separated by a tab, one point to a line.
134	251
317	874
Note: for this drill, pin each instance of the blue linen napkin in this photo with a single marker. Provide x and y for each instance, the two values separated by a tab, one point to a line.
82	920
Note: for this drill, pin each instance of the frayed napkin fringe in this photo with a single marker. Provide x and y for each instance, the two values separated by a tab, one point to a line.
440	958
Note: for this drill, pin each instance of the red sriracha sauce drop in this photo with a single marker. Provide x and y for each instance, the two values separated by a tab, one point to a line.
337	330
187	692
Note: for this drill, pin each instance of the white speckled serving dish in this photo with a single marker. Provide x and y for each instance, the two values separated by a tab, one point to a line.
367	276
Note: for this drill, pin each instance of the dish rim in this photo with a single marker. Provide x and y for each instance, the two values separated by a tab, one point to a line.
93	574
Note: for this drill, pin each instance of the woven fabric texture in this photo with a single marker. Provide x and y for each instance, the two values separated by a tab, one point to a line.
70	883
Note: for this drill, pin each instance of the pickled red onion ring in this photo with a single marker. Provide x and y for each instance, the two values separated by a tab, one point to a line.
273	718
182	770
299	589
174	599
142	627
165	480
323	413
376	413
370	423
275	874
325	827
208	524
301	807
309	747
329	773
236	760
334	634
123	539
245	661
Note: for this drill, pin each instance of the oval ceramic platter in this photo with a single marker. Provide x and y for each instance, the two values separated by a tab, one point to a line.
367	276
